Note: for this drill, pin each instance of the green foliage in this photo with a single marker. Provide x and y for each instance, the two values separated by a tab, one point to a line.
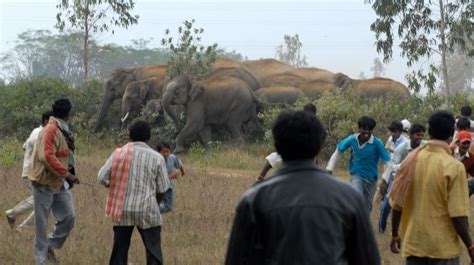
187	55
10	152
425	29
290	51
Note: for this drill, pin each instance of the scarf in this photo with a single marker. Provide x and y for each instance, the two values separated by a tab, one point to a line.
118	182
404	175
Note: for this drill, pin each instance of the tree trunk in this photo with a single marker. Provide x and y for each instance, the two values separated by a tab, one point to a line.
444	49
86	44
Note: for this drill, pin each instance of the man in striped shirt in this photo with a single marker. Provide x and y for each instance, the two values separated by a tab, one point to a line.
137	179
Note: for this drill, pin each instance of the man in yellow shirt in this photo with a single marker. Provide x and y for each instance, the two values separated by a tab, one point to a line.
431	201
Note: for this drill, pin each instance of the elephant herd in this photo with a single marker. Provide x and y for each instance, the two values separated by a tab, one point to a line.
229	96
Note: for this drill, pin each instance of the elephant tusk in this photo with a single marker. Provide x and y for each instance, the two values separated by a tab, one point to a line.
125	117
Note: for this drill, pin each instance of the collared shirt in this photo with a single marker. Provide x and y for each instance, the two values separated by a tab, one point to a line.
364	158
28	146
302	215
438	192
400	140
172	165
398	156
146	178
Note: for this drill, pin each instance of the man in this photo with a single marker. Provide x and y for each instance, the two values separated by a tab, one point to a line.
48	172
417	132
27	204
466	112
175	169
366	151
301	215
462	153
430	199
137	179
396	138
273	160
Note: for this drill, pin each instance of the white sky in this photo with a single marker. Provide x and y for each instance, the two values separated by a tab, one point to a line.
335	34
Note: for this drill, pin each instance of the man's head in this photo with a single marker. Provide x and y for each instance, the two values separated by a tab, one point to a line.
45	117
395	129
139	131
466	111
298	135
61	108
164	149
417	132
463	124
464	141
310	108
441	125
366	126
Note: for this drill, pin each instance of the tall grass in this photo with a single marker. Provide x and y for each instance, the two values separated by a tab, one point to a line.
196	232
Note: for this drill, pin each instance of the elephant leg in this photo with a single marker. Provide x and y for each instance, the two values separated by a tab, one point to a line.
206	135
191	128
235	130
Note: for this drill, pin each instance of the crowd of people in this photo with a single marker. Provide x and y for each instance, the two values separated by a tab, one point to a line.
301	214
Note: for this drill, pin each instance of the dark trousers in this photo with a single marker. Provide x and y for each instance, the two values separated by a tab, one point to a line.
427	261
151	239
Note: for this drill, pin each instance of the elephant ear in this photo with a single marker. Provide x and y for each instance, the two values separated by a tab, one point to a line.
342	81
195	90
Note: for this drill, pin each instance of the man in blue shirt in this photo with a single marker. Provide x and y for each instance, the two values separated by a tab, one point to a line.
366	151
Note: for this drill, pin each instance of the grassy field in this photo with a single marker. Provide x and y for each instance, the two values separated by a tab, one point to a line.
195	233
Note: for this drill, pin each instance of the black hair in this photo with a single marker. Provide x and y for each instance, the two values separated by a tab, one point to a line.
367	123
162	145
417	128
310	107
46	115
466	111
441	125
61	108
463	123
395	126
298	135
139	131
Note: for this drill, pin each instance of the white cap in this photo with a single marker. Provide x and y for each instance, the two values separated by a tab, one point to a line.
406	124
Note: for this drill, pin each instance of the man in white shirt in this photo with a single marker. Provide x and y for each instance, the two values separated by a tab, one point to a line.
396	137
28	203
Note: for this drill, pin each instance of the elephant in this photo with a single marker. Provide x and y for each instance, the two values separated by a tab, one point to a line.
120	78
153	112
312	73
283	79
313	89
218	100
240	72
265	67
136	95
373	87
279	94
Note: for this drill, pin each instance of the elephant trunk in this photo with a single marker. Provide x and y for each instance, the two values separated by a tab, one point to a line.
106	102
166	103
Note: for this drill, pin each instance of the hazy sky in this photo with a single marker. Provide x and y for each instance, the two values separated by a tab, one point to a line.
335	34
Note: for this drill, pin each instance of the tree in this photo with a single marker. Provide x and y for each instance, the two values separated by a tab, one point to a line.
362	76
290	51
91	16
377	68
187	55
425	29
461	72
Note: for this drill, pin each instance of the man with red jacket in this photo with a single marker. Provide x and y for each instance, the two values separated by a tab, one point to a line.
461	153
50	176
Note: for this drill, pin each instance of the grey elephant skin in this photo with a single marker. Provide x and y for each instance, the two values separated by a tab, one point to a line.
137	94
279	94
218	100
119	80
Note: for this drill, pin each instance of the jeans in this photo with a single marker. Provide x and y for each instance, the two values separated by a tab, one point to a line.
60	203
385	209
167	205
366	188
151	238
428	261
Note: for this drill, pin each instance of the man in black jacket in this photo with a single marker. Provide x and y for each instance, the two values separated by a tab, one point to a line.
301	215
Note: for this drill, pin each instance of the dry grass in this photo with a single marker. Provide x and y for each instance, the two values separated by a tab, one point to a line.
195	233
